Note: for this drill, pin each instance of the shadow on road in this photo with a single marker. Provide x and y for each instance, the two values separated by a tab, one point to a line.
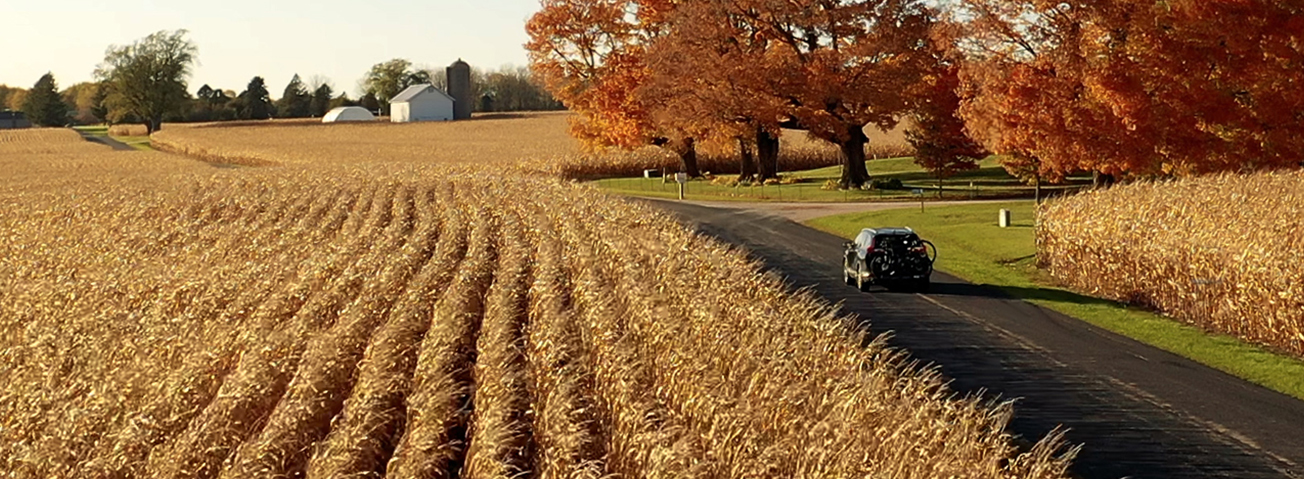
107	141
1014	293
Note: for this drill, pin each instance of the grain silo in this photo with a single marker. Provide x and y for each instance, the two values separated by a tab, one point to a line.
459	87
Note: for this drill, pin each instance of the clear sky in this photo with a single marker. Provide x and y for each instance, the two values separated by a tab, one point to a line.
275	39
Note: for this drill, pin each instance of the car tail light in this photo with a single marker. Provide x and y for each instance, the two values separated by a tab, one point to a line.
919	249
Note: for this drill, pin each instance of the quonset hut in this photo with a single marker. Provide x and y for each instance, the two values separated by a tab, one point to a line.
348	113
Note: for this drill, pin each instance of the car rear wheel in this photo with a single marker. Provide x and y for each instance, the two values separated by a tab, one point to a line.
861	284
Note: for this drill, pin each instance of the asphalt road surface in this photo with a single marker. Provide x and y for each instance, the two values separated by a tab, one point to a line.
1137	411
107	140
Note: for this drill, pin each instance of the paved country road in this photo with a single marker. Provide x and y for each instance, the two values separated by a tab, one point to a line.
106	140
1137	411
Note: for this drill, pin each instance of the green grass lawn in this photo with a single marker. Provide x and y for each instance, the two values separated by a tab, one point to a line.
990	181
137	142
974	248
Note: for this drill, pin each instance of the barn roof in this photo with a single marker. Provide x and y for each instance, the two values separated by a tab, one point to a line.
417	90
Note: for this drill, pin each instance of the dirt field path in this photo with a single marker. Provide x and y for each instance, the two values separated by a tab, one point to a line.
1138	411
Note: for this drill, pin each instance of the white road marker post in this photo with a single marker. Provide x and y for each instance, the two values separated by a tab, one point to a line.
920	193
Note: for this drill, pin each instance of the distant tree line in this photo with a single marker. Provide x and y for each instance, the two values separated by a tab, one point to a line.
146	82
45	105
506	89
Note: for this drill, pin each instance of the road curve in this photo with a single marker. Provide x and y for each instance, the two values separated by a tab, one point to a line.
109	141
1138	411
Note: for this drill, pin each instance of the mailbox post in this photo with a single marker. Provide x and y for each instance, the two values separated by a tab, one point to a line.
920	193
682	179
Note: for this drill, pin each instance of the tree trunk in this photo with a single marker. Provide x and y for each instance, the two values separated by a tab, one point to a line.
748	167
153	124
767	149
854	174
1037	188
688	158
1101	180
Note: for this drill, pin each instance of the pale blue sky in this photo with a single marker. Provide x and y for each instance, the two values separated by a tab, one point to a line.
275	39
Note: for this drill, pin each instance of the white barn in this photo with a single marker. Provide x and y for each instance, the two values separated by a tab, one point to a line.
348	113
421	103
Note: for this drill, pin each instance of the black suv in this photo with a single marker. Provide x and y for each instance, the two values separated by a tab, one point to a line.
891	257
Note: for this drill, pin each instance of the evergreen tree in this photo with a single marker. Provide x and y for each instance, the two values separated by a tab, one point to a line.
44	106
342	100
296	102
321	101
255	102
370	102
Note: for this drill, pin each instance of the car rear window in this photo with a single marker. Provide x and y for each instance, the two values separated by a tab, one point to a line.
891	241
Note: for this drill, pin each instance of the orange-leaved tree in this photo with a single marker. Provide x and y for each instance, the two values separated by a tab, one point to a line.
843	66
1212	85
1018	99
1113	86
942	147
715	65
590	55
832	68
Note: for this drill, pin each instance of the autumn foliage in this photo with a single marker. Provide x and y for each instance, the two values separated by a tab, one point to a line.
591	56
1115	87
1145	88
941	144
639	72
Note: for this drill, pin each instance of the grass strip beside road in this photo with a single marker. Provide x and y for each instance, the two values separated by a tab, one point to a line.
975	249
989	181
141	143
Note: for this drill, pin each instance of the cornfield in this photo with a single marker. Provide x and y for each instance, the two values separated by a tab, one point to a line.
352	319
535	142
1218	252
55	159
128	130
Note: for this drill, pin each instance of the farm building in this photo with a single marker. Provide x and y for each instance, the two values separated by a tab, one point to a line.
12	120
459	88
348	113
421	102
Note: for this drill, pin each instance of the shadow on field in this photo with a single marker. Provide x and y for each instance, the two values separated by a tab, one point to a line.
498	116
